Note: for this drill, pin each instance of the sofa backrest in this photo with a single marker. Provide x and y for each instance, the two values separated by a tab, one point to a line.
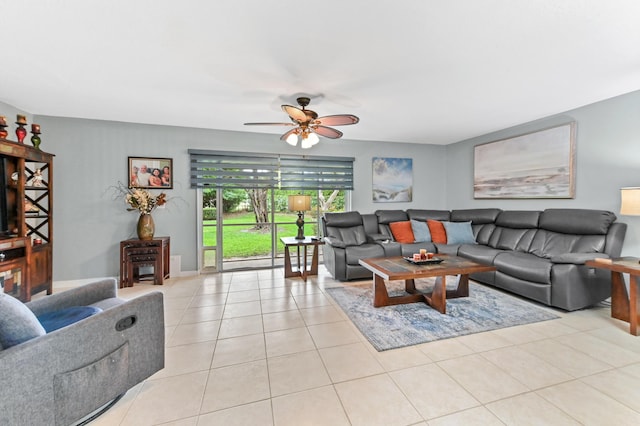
385	217
370	222
571	231
346	227
423	215
514	230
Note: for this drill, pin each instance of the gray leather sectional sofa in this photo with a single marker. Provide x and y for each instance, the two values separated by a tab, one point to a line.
538	254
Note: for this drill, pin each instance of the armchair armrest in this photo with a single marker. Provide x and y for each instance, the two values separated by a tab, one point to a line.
78	368
577	258
81	296
334	242
378	237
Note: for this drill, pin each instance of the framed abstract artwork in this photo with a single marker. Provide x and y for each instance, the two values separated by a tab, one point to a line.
392	180
149	172
540	164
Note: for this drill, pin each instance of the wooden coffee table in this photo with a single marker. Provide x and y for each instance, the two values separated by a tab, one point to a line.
397	268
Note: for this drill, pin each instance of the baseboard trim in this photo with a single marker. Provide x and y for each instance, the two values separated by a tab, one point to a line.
84	281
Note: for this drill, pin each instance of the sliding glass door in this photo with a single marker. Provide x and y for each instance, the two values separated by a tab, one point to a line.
245	233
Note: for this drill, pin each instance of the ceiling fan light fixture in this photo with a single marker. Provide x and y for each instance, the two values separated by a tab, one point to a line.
305	144
308	125
292	139
313	138
308	140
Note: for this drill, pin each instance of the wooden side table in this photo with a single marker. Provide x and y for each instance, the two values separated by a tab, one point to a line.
623	306
302	271
135	253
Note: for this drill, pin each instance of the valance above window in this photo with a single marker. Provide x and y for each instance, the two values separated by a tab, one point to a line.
250	170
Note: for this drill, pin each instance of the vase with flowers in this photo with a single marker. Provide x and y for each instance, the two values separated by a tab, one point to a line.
144	202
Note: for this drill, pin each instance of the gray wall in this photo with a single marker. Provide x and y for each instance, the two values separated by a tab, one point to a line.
607	159
91	157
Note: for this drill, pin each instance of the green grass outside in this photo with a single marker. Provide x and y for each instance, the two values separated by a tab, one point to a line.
244	241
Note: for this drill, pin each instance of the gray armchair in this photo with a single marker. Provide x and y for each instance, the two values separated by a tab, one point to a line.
62	376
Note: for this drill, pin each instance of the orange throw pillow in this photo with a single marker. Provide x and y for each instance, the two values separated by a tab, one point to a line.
438	233
402	232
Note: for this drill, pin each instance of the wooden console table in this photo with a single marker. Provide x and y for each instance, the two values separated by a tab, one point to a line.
623	306
302	271
135	253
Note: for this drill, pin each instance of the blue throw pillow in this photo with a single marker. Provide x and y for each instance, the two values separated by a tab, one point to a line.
17	322
459	233
57	319
421	232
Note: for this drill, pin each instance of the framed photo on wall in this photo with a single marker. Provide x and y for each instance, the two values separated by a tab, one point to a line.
392	179
540	164
150	172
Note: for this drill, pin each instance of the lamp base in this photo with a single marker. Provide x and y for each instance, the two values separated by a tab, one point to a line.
300	223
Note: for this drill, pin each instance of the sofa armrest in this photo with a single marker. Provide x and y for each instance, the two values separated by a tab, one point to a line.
378	238
577	258
80	296
334	242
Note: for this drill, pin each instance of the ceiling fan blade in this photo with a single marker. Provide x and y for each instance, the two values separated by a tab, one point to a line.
337	120
327	132
287	134
269	124
296	114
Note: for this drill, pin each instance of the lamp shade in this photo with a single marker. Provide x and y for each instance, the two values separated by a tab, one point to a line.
630	201
292	139
299	203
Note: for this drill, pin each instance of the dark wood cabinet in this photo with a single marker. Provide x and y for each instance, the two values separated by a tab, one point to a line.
26	243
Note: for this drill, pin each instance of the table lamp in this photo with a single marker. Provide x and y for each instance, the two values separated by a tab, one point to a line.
630	201
300	204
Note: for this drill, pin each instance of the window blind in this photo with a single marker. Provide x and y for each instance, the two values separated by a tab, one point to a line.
251	170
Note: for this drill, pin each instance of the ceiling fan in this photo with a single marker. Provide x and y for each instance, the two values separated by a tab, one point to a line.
308	125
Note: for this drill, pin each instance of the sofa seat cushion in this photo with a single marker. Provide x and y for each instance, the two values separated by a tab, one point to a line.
524	266
355	253
52	321
17	322
479	253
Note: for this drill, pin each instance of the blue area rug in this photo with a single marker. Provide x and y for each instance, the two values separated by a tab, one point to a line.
397	326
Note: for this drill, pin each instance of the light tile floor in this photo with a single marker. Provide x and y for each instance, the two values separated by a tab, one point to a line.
254	348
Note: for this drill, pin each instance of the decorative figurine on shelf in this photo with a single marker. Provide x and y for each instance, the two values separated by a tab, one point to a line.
37	179
35	139
21	132
3	127
29	207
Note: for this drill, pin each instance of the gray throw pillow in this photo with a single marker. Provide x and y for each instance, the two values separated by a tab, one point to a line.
459	233
17	323
420	231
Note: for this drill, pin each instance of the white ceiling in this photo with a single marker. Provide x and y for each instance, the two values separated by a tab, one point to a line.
420	71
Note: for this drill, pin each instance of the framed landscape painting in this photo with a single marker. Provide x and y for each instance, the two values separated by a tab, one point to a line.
392	179
150	172
534	165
